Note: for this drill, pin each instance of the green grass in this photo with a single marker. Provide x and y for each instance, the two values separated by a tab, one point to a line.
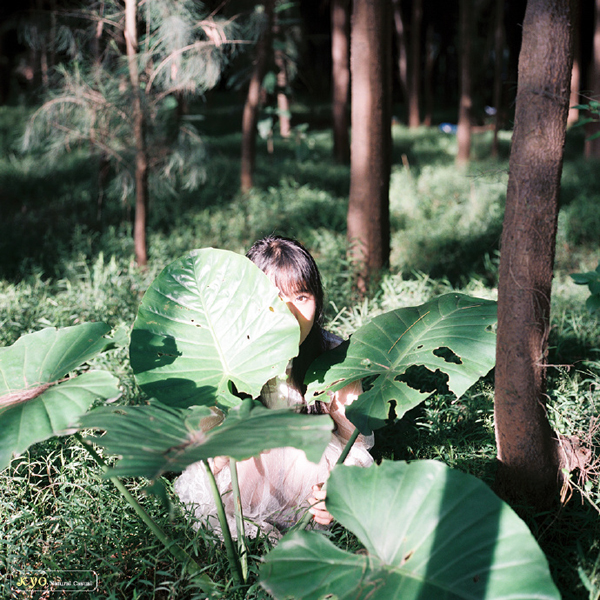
65	260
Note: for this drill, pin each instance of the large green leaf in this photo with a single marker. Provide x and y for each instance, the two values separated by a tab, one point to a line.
36	403
154	439
429	532
451	334
211	318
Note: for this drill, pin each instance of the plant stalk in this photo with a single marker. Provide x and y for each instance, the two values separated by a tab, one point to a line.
239	519
234	562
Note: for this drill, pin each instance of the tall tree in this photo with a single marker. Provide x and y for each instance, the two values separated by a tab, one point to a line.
463	132
368	207
252	104
120	91
414	76
340	61
592	144
528	467
498	62
576	72
401	51
139	134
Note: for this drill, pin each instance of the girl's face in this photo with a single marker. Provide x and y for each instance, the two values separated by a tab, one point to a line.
303	305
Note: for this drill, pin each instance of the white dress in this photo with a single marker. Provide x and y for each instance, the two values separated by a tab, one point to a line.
275	485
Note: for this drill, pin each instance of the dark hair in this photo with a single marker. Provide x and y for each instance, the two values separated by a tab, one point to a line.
292	269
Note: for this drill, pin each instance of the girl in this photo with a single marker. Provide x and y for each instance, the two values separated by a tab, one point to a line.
277	485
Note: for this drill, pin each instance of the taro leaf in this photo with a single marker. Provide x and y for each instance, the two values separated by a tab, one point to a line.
428	532
154	439
210	318
36	403
451	334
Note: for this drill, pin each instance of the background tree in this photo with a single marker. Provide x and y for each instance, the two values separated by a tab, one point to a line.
528	467
414	86
463	132
592	144
498	64
340	82
368	206
251	107
119	91
139	134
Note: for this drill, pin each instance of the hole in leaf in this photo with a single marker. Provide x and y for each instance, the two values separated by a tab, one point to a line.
448	355
420	378
392	412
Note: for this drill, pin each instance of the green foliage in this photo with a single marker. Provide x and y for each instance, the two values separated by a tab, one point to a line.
428	532
36	403
156	439
592	280
451	335
209	320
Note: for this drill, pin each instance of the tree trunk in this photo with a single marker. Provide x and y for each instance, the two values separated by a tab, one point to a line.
463	132
401	46
592	147
283	102
430	56
528	468
340	58
250	114
576	72
414	86
498	62
368	207
139	133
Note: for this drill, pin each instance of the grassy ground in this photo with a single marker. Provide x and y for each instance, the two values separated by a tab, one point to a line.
65	259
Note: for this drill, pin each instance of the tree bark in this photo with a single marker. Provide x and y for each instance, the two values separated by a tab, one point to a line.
528	468
592	147
340	58
139	133
250	114
463	132
414	86
368	207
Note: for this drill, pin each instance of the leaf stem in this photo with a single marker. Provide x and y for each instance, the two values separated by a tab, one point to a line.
239	519
234	562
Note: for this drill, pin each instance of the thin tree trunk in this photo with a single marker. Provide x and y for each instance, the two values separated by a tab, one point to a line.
250	114
430	55
139	133
592	147
340	59
401	46
414	87
528	467
368	207
283	102
576	72
498	62
463	132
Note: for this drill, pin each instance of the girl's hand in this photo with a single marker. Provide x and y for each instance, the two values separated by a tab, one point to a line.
318	510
